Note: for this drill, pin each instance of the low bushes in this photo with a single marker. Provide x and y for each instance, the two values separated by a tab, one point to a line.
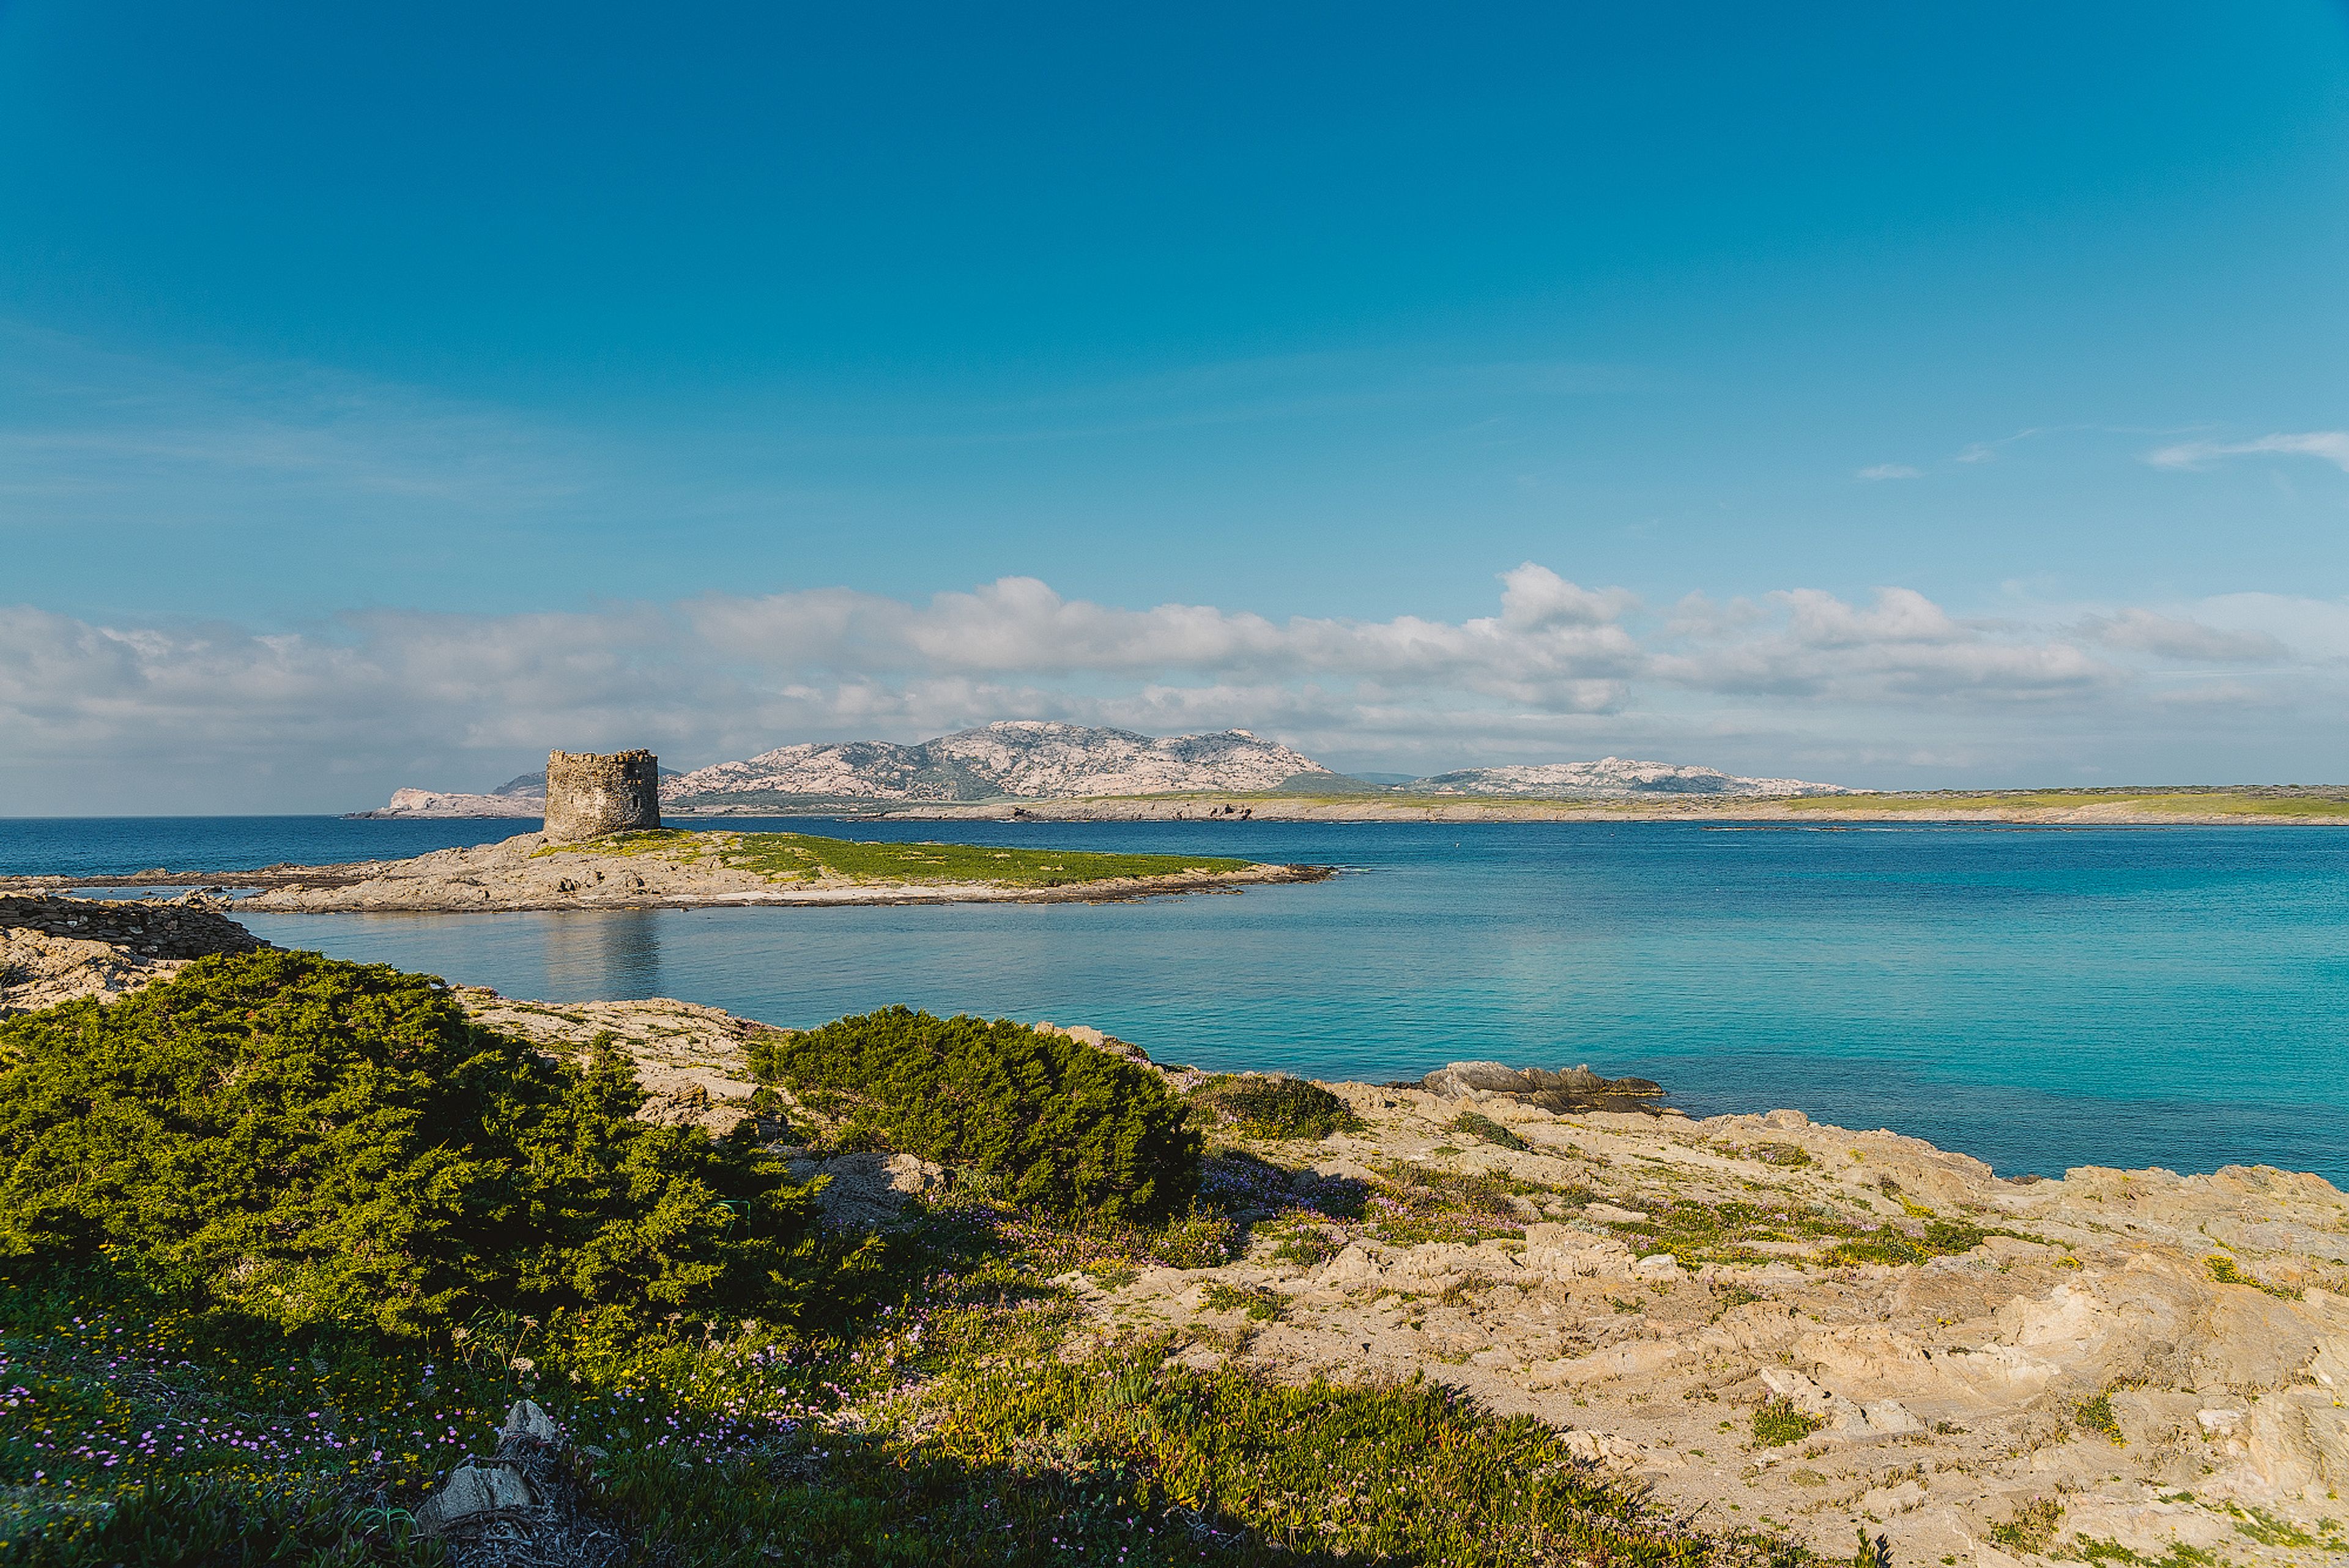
1264	1106
309	1141
1056	1124
1484	1130
1777	1423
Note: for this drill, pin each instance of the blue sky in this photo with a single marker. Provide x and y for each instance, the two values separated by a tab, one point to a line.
1912	395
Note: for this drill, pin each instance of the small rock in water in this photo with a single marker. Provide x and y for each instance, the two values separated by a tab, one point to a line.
1576	1089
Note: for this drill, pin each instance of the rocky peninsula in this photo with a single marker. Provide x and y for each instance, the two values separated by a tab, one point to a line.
676	868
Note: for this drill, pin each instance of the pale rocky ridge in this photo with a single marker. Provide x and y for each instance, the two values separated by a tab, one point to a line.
1022	759
1611	778
1036	760
446	803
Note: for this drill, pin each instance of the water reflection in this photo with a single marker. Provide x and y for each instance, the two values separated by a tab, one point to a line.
613	953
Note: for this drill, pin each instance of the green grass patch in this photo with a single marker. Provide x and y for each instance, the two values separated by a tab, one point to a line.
1418	1203
2097	1416
804	857
1889	1244
2032	1526
1261	1304
1698	1233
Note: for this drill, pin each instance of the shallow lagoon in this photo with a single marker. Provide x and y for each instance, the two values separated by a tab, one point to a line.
2170	996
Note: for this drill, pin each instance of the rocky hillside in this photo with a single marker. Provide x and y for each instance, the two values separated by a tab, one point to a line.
1035	760
1022	759
1609	778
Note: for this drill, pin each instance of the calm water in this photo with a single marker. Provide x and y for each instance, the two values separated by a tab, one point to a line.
2175	996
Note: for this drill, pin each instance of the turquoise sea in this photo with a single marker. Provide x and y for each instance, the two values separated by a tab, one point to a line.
2040	998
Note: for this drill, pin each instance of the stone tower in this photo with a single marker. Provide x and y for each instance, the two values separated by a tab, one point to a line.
588	795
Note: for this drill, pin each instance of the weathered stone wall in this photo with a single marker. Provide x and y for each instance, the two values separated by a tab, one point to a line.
152	930
587	793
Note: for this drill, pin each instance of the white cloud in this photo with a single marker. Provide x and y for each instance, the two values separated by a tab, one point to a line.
2175	636
210	717
1900	648
2330	446
1890	470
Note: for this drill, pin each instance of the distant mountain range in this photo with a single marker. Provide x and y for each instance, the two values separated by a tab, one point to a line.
1035	760
1019	759
1609	778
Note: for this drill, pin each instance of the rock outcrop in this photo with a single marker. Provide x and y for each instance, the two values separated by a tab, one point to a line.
1022	760
2130	1357
60	950
1575	1089
522	1504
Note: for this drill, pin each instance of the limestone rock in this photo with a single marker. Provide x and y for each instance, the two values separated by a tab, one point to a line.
528	1426
864	1190
38	971
473	1497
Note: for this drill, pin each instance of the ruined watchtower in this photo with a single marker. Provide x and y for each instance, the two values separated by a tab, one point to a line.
587	795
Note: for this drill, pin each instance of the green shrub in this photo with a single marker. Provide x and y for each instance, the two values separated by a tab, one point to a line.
1267	1106
2097	1416
1886	1244
1484	1130
311	1141
1777	1423
2032	1528
1947	1238
2226	1272
1058	1123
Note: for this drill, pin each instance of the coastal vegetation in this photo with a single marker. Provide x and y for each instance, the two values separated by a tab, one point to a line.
1050	1122
391	1223
1273	1105
789	857
302	1141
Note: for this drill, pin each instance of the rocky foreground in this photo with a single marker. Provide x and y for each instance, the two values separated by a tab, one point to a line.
2136	1358
1772	1322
